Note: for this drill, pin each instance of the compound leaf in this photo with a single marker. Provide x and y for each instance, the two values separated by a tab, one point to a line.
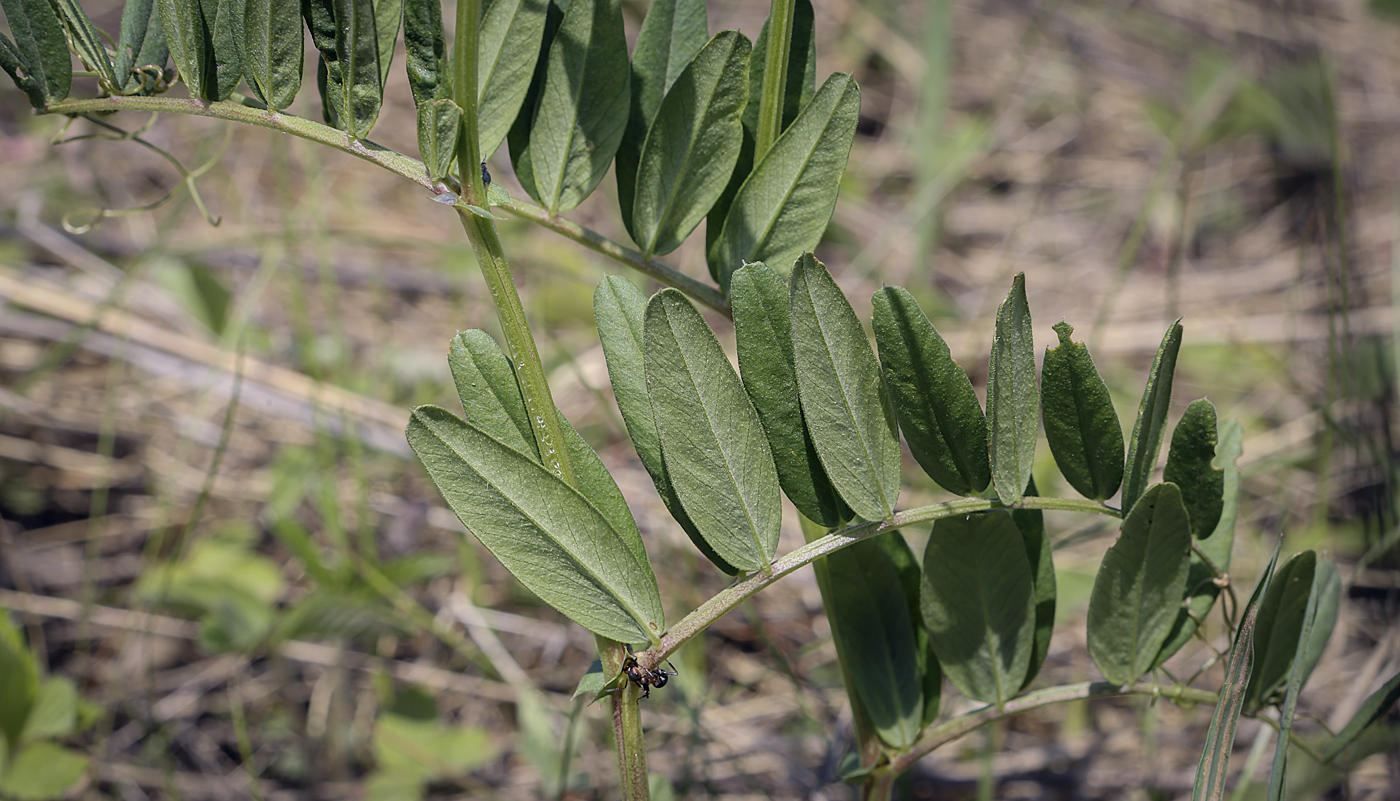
273	50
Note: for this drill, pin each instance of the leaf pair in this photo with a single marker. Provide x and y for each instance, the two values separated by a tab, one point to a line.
578	549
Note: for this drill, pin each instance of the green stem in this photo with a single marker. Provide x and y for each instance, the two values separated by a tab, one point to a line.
596	242
403	166
950	730
727	599
775	64
464	90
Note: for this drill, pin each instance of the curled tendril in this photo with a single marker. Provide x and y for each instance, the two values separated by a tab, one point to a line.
84	219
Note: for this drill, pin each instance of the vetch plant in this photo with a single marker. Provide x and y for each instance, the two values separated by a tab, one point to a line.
739	134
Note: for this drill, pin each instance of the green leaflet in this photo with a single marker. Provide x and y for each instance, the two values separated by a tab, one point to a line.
582	111
801	86
492	401
189	40
783	207
874	631
1031	524
620	311
425	50
550	537
1201	589
388	16
1137	592
439	125
1214	765
711	439
763	333
938	412
141	46
21	684
519	136
224	21
843	400
41	770
1013	402
39	53
272	50
508	48
1280	624
1371	710
1189	467
1081	425
1323	591
357	95
672	33
692	145
978	604
1151	423
87	42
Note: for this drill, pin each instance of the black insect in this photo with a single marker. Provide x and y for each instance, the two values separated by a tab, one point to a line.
485	175
646	678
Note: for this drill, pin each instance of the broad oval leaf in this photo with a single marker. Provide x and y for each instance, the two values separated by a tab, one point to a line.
711	439
1013	401
508	48
1151	424
1280	624
141	48
360	90
425	50
42	770
492	401
545	532
938	412
692	145
620	311
783	207
39	64
978	604
1201	589
874	632
582	107
1081	424
672	33
1189	467
273	50
763	333
1138	590
439	125
843	400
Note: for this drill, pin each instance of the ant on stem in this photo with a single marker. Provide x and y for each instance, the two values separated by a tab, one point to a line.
646	678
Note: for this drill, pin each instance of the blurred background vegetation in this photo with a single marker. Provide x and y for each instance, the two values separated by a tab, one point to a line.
218	545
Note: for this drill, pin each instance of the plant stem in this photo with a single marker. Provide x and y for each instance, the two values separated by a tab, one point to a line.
596	242
950	730
403	166
727	599
775	64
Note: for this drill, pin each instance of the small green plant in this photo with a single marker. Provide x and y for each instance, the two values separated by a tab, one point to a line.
36	711
740	135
